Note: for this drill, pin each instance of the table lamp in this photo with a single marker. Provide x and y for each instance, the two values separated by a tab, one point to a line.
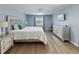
3	24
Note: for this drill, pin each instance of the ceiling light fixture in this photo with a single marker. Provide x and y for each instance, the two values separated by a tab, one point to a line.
40	12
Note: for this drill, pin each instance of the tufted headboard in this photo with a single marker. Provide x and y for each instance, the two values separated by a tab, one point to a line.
13	20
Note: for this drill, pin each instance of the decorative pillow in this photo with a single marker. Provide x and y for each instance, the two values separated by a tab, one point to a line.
16	27
12	27
20	27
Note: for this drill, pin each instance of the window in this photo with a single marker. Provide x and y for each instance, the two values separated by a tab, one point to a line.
39	21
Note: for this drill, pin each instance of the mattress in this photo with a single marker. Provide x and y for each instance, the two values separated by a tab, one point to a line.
33	33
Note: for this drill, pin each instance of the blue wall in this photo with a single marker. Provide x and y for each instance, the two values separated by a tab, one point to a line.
47	21
5	10
72	19
30	20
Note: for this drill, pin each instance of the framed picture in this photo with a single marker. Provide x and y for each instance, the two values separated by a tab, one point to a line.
61	17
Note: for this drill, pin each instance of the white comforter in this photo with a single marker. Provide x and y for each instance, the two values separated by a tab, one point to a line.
30	33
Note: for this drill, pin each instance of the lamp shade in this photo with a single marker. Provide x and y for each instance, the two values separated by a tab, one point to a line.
3	24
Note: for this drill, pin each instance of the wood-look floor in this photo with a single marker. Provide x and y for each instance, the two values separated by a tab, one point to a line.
55	46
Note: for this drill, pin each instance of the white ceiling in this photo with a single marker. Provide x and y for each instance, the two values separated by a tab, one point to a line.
33	8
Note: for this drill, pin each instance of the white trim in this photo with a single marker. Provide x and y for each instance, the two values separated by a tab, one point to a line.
74	43
48	29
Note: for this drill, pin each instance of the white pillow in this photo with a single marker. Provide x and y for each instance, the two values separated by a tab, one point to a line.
16	27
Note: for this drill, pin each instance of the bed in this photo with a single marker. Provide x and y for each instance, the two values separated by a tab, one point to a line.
32	34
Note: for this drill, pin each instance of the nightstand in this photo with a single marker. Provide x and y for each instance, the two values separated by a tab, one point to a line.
6	43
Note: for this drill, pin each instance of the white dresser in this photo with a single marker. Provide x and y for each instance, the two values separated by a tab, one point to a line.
63	32
5	43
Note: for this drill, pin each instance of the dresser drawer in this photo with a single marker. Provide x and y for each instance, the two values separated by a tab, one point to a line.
5	47
4	41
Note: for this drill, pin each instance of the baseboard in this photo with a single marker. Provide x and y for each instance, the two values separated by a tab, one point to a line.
48	29
74	43
57	36
70	41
